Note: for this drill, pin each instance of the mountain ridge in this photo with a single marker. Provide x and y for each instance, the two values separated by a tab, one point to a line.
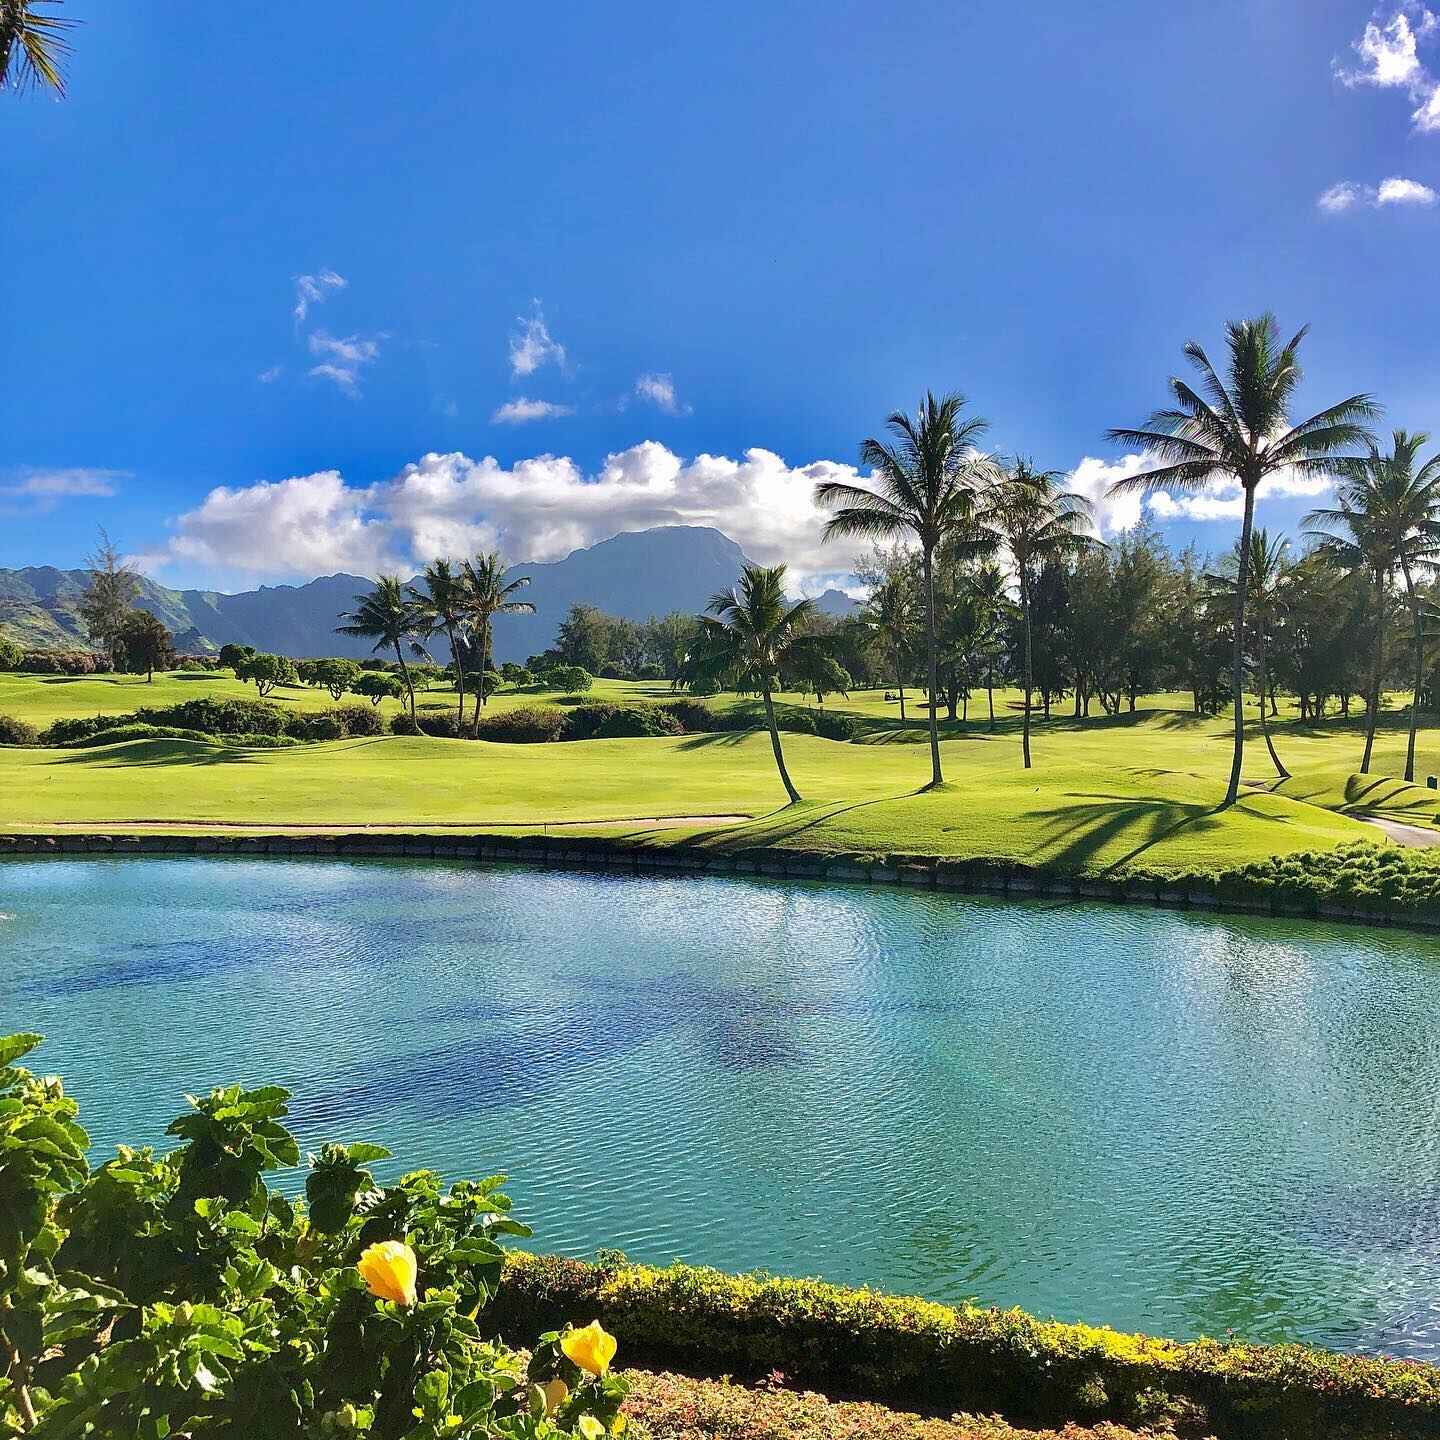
634	574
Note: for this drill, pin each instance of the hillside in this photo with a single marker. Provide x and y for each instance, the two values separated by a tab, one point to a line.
648	572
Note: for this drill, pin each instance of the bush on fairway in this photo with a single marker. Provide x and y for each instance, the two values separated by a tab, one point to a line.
177	1294
526	725
17	732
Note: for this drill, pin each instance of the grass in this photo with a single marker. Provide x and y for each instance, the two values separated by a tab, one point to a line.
1141	788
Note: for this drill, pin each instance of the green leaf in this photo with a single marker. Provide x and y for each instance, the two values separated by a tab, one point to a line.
12	1047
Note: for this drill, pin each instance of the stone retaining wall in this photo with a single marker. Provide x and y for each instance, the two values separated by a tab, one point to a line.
601	852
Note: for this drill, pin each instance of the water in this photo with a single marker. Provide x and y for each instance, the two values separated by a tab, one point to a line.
1157	1120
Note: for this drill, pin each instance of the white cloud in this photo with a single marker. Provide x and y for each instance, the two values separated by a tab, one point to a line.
536	509
1093	478
1223	501
659	391
268	377
1399	191
35	483
341	360
315	290
533	346
521	411
1390	60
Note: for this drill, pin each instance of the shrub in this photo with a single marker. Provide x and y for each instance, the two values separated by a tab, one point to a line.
177	1294
360	720
133	730
525	725
638	722
695	716
320	726
864	1344
568	677
584	721
650	672
62	662
442	725
71	728
404	724
214	715
835	725
796	722
14	731
11	654
513	674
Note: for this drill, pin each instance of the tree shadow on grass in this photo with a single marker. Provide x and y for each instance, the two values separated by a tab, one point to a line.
146	754
1078	831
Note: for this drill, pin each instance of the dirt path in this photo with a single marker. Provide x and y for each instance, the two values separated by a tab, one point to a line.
1420	837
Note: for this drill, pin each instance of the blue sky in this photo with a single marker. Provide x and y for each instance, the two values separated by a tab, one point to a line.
720	242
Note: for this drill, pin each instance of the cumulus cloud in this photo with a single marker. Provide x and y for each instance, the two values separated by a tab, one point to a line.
532	345
1397	190
1223	501
536	509
659	391
1389	54
315	290
1093	478
342	360
521	411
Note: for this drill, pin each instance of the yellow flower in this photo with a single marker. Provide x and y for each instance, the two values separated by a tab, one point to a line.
591	1349
618	1425
591	1428
556	1393
388	1270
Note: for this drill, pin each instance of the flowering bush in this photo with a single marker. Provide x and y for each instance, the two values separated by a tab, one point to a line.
178	1295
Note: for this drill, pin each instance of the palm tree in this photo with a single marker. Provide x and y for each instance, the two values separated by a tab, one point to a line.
33	47
987	587
488	594
1269	577
1240	434
925	485
388	617
744	640
890	613
441	608
1026	514
1387	518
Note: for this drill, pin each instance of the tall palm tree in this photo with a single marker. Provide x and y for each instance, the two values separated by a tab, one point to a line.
441	609
33	47
1387	518
387	616
488	594
1269	575
1026	515
890	614
1240	434
925	483
744	639
987	586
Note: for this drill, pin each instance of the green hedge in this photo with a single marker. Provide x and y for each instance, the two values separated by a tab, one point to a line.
914	1352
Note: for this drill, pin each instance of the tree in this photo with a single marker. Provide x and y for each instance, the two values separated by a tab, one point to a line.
11	654
387	616
1268	576
336	676
109	597
890	613
585	638
1388	515
441	607
267	671
987	589
33	47
231	655
378	685
487	593
146	644
1026	513
1240	433
745	638
926	484
816	671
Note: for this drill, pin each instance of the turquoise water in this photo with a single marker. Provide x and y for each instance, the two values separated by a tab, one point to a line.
1158	1120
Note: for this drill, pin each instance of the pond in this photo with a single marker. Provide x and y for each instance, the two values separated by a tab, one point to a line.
1158	1120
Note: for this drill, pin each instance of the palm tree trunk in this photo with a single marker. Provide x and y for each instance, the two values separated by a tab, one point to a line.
790	789
1373	709
1029	663
405	671
990	692
459	674
1237	661
1264	721
936	778
900	681
1417	621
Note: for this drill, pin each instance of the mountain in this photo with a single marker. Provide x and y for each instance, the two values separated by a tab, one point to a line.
641	573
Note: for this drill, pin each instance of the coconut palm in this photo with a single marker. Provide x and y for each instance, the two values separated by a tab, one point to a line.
1239	433
33	47
1026	515
1387	518
925	486
1269	575
890	614
744	639
987	588
487	593
387	616
441	609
